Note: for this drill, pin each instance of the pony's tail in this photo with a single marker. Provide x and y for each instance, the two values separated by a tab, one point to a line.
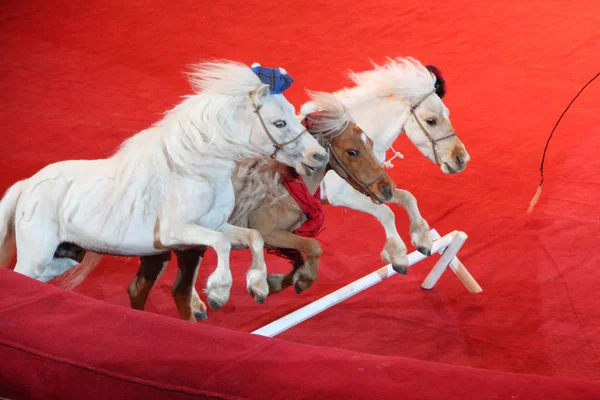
8	205
73	277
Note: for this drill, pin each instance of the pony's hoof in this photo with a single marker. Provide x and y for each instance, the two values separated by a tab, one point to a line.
259	298
275	282
424	250
257	286
302	284
401	269
213	304
421	239
200	316
298	288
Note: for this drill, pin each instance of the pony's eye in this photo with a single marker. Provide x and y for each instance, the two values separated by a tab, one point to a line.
352	153
431	121
279	124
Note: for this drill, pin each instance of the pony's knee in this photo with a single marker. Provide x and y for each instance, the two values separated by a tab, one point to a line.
256	240
221	245
315	250
404	197
384	213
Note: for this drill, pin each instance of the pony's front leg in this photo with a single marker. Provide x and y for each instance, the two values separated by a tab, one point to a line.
339	193
219	282
256	278
419	228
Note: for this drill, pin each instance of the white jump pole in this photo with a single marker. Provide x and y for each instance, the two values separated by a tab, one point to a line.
322	304
449	259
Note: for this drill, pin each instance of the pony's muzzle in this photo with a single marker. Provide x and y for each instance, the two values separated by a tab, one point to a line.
457	161
387	191
317	159
321	158
461	158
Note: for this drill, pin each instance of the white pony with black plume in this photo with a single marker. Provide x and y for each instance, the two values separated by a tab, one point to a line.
167	187
402	96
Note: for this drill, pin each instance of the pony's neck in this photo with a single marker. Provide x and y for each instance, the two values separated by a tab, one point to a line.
381	118
193	140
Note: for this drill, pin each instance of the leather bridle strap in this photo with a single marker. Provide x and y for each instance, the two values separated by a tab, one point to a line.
278	146
433	141
364	188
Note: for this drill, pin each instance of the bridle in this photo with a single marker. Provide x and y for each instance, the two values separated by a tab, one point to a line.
353	180
278	146
365	189
433	141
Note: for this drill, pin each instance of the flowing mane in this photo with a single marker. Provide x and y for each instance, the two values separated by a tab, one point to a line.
334	117
404	77
194	133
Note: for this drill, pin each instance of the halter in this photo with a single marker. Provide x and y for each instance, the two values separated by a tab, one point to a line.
278	146
433	141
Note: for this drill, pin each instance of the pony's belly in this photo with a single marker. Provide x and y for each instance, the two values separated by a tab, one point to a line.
135	239
89	222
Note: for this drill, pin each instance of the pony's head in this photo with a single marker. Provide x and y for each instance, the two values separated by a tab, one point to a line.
350	149
406	83
264	121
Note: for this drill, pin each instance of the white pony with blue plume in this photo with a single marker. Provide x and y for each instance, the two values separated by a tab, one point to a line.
167	187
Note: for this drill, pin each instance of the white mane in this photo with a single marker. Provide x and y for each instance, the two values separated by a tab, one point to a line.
192	134
256	184
336	116
403	77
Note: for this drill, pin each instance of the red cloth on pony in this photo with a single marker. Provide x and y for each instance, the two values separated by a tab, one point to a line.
309	204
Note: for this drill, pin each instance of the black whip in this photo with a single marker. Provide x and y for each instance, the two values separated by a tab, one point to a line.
536	197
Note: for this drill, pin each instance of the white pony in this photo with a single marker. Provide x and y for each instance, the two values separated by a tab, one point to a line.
387	101
167	187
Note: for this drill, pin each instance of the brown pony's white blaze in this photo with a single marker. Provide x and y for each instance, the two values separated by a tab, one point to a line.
350	149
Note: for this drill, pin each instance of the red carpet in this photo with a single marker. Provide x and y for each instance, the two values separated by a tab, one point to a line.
77	79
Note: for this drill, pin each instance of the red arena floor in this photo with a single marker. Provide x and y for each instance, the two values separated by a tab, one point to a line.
77	78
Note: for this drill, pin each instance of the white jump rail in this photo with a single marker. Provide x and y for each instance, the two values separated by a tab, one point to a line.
447	246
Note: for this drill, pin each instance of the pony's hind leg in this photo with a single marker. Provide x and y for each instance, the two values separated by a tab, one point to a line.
186	298
37	240
151	267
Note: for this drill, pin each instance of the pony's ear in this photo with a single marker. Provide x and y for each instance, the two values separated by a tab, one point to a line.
258	95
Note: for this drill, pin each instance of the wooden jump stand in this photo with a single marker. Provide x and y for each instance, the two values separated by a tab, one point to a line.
448	246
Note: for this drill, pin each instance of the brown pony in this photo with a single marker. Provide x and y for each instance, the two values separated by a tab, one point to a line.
264	203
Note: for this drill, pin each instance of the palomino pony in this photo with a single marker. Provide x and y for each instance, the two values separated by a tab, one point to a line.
387	101
263	203
168	187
